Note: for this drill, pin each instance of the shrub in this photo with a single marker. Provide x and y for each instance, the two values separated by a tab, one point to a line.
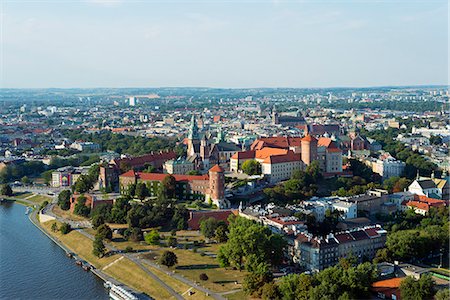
65	228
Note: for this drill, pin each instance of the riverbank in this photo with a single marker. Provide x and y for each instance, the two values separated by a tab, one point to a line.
27	269
142	274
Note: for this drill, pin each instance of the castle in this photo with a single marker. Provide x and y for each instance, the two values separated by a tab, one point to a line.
208	187
203	152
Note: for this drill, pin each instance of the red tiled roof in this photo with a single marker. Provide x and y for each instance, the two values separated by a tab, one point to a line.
343	237
388	283
309	138
359	235
160	177
217	169
419	205
244	155
148	158
276	159
371	232
429	201
276	142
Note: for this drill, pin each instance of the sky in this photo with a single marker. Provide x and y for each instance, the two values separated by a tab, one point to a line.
227	44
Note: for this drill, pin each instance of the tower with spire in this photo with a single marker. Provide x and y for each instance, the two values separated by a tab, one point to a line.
193	137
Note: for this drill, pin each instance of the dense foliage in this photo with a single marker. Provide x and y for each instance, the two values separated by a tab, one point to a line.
301	186
64	199
413	237
6	190
125	144
251	167
343	281
249	245
213	228
421	289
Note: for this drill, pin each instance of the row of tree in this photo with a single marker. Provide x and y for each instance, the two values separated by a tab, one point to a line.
413	237
119	143
301	186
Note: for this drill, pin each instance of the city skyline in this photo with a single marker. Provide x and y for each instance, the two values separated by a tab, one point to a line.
116	44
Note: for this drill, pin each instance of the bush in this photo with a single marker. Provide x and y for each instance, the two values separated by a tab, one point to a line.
65	228
203	277
168	259
64	199
104	231
128	249
133	234
152	238
172	241
6	190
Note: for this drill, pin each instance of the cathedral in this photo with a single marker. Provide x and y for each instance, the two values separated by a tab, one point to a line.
204	151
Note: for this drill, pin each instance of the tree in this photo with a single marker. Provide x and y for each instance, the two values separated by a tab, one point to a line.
6	190
64	199
251	167
193	172
251	243
169	185
133	234
168	259
172	241
269	291
25	180
98	248
422	289
141	190
54	227
97	220
443	294
203	277
65	228
119	210
152	238
221	232
104	231
256	279
208	227
81	208
295	286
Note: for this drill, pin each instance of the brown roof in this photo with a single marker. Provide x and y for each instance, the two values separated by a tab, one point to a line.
217	169
276	142
344	237
148	158
160	177
309	138
196	216
288	157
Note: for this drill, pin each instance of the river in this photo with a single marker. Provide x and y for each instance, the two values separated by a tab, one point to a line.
33	267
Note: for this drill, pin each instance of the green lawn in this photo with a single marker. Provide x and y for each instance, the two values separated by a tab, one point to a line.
131	274
22	195
38	199
236	296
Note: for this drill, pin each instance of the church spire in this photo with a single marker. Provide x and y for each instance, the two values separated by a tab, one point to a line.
193	129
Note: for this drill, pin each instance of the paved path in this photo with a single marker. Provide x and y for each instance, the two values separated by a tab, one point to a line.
137	262
184	280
